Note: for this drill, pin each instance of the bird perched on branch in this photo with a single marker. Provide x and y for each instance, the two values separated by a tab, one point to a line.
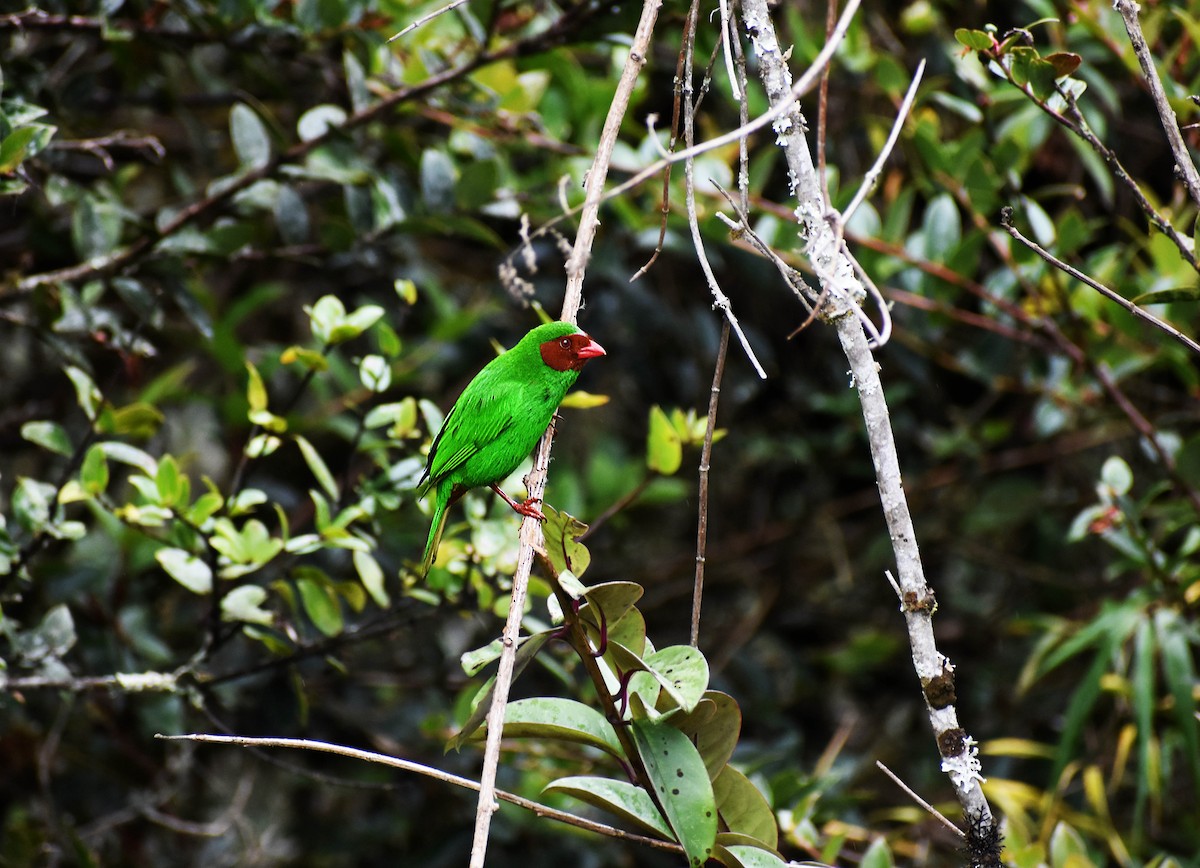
497	420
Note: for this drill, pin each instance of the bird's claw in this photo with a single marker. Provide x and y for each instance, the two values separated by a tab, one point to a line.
528	509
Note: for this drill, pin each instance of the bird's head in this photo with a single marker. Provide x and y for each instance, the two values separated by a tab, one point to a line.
569	352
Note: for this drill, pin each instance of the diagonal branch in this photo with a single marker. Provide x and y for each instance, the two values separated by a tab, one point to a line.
838	279
430	772
530	532
1141	313
1184	166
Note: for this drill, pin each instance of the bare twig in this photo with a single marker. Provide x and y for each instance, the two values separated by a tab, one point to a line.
871	178
702	497
1076	354
100	146
938	815
1184	165
530	531
430	772
1141	313
799	88
1072	119
720	300
453	4
598	174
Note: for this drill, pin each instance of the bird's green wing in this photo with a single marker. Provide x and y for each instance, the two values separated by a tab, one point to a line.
479	417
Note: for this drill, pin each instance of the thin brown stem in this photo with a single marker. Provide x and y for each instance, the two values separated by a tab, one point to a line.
702	497
1141	313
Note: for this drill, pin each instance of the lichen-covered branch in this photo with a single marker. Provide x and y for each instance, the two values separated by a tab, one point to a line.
843	291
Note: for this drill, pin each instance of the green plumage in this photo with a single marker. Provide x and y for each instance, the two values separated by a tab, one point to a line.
494	424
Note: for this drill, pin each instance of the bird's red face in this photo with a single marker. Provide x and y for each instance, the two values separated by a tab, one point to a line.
570	353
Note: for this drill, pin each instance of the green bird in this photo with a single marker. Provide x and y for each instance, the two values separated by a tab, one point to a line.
498	419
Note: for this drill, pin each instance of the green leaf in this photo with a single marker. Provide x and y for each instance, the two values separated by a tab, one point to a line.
976	40
245	604
1067	847
251	142
551	717
746	855
714	726
664	450
291	216
620	798
561	533
941	228
14	148
321	605
401	415
1142	689
317	465
359	320
172	485
1087	691
744	809
681	785
53	637
682	671
185	568
878	855
1166	296
95	227
528	649
33	503
49	435
356	82
371	575
86	394
582	400
375	373
205	507
139	419
93	473
1116	476
438	179
614	599
1179	672
318	120
256	391
407	290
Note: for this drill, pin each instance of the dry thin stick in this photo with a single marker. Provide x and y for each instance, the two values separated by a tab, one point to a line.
594	182
430	772
705	458
959	754
1140	312
530	531
916	798
1184	166
872	177
720	300
453	4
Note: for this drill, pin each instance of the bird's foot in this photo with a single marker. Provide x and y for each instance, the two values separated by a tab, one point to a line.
526	508
529	509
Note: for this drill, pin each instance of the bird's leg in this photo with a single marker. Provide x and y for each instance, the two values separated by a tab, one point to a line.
526	508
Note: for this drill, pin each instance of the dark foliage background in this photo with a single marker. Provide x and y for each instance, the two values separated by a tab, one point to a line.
1061	546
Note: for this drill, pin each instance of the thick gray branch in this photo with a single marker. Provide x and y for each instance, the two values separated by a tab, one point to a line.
843	292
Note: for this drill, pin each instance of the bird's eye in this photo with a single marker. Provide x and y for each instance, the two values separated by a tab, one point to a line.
565	343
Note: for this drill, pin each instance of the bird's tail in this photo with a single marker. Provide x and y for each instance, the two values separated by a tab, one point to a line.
440	512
